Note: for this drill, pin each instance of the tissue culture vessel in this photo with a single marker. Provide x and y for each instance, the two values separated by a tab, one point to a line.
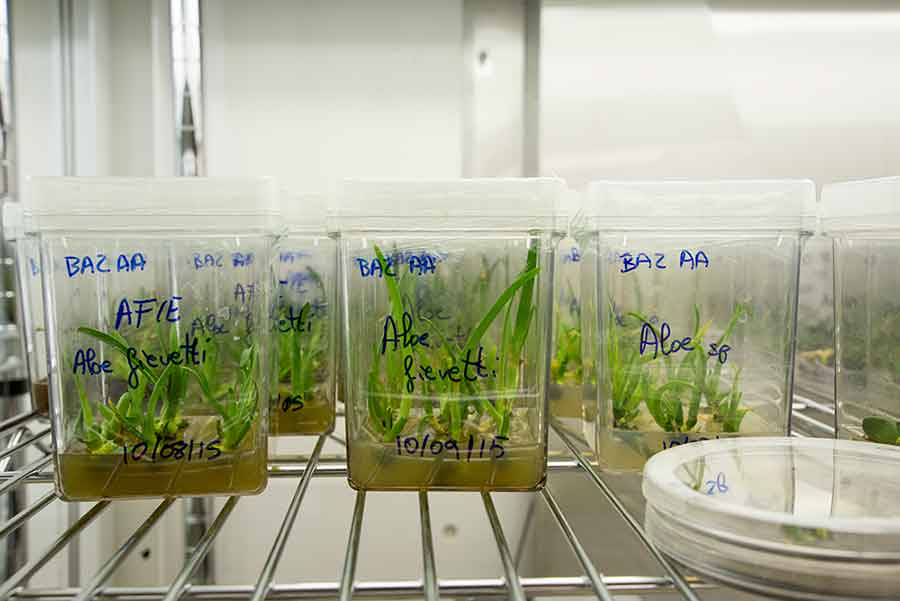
696	316
447	348
157	330
304	394
863	222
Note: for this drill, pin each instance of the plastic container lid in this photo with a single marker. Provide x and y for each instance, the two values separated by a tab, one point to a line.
305	212
797	518
864	205
13	220
783	205
490	204
208	204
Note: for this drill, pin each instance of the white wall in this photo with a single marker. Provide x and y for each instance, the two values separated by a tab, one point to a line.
706	89
311	91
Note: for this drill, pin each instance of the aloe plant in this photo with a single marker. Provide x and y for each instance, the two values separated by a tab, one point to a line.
566	366
390	403
881	429
672	388
152	407
301	352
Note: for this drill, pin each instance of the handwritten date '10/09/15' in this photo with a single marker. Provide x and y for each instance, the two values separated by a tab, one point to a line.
433	447
659	342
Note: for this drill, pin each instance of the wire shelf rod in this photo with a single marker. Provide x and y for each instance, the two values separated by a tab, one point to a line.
16	420
30	568
23	516
22	444
677	579
89	591
200	551
595	578
350	559
23	474
430	583
264	582
492	587
513	583
809	421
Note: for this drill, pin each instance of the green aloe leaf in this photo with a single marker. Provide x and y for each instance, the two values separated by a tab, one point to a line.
879	429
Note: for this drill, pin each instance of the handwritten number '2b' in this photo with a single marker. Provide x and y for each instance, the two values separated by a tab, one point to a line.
717	485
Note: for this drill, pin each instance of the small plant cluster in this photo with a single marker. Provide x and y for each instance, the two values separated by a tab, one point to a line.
301	350
152	407
566	366
450	397
881	429
672	388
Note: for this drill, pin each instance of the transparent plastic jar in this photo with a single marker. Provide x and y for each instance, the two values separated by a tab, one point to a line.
304	323
863	221
568	404
156	295
447	297
696	300
31	308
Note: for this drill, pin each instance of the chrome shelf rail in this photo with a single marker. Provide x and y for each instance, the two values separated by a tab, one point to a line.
512	584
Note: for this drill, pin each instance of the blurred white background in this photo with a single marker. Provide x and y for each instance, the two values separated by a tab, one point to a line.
319	90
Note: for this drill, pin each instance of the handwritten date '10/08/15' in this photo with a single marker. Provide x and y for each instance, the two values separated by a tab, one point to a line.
174	450
433	447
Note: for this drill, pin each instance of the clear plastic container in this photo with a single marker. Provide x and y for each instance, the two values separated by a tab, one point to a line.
447	294
156	295
696	301
569	405
31	308
304	328
797	518
863	220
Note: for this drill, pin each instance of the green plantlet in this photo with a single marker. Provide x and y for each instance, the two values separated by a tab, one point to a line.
139	417
300	403
674	391
882	430
390	403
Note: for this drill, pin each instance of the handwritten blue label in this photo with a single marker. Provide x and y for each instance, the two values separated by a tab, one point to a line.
685	439
292	256
573	256
207	260
416	263
86	364
687	259
405	339
100	263
658	341
239	259
296	281
244	293
131	312
717	486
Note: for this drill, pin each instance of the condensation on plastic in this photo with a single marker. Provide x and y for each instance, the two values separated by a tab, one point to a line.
489	204
216	204
800	518
864	205
784	205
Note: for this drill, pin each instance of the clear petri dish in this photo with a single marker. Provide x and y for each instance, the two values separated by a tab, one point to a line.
794	518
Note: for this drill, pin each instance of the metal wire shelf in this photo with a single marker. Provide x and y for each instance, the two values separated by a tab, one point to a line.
30	430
